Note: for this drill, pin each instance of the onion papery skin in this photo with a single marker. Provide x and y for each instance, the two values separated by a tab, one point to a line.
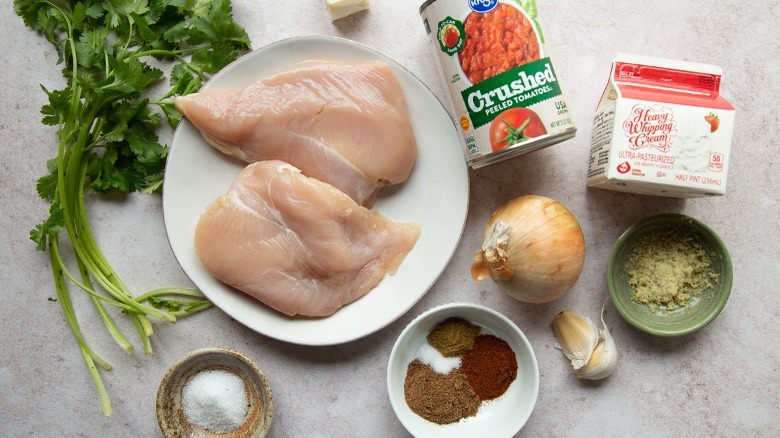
533	247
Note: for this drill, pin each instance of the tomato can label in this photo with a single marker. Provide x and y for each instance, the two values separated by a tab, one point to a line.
503	89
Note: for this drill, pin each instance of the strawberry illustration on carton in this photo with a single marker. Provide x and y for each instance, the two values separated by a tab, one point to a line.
661	128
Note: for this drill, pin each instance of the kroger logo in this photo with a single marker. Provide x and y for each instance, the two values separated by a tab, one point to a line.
482	6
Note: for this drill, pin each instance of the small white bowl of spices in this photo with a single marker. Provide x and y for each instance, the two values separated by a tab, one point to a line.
215	392
669	275
462	370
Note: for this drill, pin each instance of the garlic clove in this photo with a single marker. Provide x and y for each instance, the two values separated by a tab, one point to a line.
604	359
577	337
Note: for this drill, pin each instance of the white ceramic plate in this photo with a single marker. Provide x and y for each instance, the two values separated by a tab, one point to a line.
435	195
502	416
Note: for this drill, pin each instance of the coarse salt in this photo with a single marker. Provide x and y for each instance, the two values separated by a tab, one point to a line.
215	400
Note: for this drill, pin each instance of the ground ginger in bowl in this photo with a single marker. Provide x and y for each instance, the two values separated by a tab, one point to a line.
667	268
669	275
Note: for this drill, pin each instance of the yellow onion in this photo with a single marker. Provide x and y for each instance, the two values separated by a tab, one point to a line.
534	247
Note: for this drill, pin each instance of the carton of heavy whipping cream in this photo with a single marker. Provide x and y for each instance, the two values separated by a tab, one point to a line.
661	128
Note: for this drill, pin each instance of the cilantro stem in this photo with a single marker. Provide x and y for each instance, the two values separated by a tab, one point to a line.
180	291
101	269
162	52
67	306
140	328
196	301
88	289
90	358
55	256
105	401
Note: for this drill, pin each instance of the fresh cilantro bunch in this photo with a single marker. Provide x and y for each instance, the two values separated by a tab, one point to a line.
111	54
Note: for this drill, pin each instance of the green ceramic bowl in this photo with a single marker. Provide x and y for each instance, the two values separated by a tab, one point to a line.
699	311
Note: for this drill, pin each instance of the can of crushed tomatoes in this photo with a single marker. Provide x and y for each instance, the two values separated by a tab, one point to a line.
503	89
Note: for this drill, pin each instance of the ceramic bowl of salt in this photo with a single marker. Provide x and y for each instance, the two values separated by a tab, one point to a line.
214	392
462	370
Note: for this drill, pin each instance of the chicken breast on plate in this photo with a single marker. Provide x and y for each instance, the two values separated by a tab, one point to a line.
297	244
344	123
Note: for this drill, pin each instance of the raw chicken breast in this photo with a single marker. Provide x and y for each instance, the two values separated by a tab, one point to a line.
344	123
297	244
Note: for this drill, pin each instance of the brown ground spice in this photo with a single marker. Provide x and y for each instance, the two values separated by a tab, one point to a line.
490	366
440	398
453	336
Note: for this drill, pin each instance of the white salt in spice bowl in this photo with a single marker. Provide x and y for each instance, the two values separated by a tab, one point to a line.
214	392
502	416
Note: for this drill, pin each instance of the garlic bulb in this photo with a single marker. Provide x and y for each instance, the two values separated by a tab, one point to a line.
593	352
533	246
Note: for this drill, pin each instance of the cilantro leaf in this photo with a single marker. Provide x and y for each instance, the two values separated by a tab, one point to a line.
90	46
131	76
184	81
57	109
47	184
49	228
171	113
119	10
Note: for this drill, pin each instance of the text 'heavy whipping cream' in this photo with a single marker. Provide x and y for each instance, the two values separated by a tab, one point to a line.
661	128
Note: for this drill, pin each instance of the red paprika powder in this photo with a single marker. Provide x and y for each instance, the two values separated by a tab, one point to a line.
490	366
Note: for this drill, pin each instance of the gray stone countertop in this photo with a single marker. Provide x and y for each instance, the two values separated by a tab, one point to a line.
721	381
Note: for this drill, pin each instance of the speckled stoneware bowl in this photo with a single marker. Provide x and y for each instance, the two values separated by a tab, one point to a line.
171	416
503	416
700	310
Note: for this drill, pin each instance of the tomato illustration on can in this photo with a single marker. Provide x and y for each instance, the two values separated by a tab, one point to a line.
513	126
449	35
